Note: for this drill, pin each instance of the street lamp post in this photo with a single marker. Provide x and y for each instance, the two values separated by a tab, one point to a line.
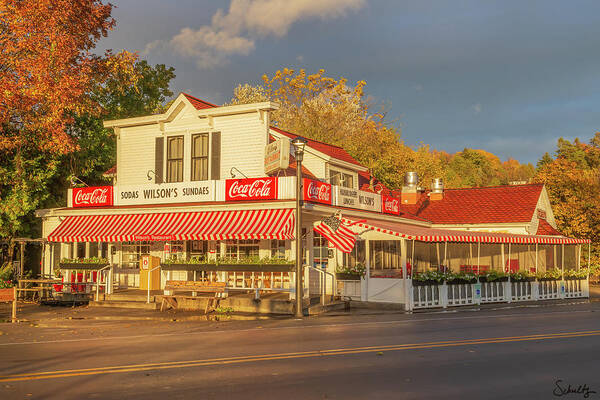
299	144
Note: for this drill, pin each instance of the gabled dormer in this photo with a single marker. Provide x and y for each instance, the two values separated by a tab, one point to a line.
326	161
193	140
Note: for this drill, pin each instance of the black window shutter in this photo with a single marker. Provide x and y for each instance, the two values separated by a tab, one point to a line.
215	166
158	160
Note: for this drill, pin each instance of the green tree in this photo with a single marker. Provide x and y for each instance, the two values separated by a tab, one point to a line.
118	99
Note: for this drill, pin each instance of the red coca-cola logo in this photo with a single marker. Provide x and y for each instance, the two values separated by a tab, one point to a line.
93	196
390	205
317	192
251	189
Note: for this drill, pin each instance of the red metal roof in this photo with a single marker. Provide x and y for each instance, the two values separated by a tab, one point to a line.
112	171
329	149
199	104
498	204
544	228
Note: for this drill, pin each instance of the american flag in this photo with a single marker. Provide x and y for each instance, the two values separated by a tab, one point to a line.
337	233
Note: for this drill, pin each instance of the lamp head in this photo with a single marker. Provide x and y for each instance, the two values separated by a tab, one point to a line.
299	143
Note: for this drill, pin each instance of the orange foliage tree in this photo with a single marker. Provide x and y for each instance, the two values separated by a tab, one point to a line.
572	179
332	110
48	74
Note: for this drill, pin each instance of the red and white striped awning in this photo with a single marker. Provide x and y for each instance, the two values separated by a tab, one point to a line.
425	234
207	225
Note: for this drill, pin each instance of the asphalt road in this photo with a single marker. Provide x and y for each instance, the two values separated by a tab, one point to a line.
494	354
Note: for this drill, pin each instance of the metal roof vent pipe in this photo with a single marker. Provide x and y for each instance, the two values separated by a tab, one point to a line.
437	189
410	190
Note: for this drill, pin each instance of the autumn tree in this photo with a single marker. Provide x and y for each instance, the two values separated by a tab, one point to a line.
572	179
48	71
333	111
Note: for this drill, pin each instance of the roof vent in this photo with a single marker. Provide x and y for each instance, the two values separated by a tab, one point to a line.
411	179
437	185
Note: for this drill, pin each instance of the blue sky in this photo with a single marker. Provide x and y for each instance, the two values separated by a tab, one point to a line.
510	77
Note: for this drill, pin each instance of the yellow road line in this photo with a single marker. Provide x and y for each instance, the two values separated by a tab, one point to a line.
281	356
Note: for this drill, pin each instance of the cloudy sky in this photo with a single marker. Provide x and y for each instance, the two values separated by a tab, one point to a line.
507	76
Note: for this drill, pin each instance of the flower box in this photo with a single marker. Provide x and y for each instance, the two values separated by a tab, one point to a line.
547	279
460	281
527	279
340	276
484	279
82	266
228	267
428	282
573	278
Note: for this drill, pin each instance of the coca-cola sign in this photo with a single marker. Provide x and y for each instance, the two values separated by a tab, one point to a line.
98	196
316	192
390	205
251	189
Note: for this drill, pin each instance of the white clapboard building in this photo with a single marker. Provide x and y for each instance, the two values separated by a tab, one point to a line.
206	183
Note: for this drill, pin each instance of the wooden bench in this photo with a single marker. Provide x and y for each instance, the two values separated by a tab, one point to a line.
215	288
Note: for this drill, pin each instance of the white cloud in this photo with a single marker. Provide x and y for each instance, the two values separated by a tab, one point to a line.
236	31
476	108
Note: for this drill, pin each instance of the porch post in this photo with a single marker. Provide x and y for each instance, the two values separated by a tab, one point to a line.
536	258
471	255
404	277
503	258
508	256
446	256
478	256
437	250
562	253
412	260
589	254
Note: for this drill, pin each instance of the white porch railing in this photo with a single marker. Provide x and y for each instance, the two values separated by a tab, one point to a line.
548	290
450	295
428	296
494	292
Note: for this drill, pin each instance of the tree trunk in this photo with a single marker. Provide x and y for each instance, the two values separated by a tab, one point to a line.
11	252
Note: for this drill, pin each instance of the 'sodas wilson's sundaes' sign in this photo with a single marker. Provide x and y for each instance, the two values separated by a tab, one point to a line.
316	192
98	196
251	189
165	193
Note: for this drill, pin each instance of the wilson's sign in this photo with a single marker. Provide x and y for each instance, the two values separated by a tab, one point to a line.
251	189
165	193
352	198
98	196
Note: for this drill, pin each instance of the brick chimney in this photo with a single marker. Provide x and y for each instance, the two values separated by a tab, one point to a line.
410	193
437	190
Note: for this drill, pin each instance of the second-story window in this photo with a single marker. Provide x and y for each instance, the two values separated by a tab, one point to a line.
200	157
175	159
341	179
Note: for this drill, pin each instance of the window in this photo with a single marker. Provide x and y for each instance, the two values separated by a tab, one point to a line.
320	250
278	249
80	250
175	159
200	157
174	250
357	255
342	179
241	248
197	249
132	252
385	254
